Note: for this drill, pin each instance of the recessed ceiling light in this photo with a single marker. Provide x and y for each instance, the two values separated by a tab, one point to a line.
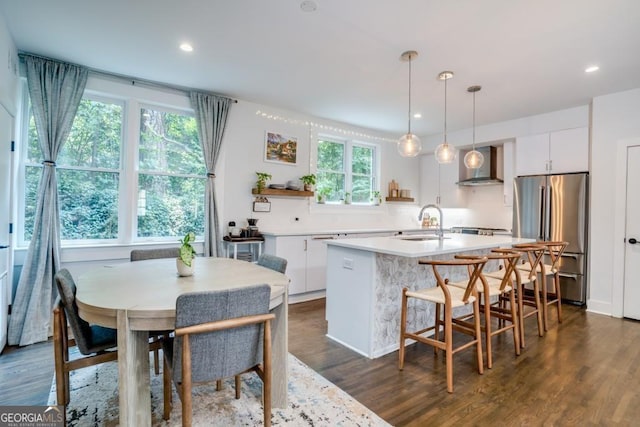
591	69
417	116
186	47
308	6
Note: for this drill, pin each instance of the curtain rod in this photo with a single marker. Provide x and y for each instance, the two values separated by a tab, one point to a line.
132	80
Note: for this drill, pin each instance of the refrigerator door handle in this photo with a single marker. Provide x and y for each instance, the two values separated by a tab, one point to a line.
541	216
547	231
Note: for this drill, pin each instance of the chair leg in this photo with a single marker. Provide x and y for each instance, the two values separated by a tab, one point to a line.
403	329
448	338
237	386
218	385
478	335
156	360
556	279
266	390
166	385
436	331
545	301
487	327
515	321
539	309
62	377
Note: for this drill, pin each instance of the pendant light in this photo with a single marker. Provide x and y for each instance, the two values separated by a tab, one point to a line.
409	145
445	152
474	159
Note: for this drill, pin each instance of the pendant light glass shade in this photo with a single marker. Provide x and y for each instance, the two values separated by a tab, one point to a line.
409	145
474	159
445	152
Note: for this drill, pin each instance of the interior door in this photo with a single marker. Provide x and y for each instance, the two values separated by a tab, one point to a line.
6	133
631	305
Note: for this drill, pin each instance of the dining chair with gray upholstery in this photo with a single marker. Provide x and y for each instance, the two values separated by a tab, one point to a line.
273	262
95	342
219	334
155	253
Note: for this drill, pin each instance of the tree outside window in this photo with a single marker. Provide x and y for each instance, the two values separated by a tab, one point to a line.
346	167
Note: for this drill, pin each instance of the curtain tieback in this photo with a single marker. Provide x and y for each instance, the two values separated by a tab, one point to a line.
49	163
211	175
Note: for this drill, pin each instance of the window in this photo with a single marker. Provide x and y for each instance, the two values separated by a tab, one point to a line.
171	175
127	172
346	167
88	173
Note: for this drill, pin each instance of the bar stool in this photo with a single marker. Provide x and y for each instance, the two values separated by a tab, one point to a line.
447	296
532	254
504	288
553	296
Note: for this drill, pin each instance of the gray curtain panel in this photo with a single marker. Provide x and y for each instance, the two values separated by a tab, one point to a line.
56	90
211	115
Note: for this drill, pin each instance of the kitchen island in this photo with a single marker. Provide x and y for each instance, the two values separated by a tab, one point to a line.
365	278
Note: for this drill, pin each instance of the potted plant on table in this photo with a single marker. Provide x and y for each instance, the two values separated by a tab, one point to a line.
309	181
263	177
186	259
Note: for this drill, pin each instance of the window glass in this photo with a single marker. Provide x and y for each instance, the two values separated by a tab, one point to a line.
171	178
87	173
331	171
346	166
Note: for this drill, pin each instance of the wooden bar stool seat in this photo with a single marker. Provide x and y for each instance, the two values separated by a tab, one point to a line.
446	296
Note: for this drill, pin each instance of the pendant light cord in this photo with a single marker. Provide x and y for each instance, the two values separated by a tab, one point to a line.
474	121
409	115
445	110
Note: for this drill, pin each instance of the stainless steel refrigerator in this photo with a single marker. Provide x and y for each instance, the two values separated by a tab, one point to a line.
555	207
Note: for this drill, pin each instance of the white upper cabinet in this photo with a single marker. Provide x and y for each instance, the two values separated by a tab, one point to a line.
438	183
555	152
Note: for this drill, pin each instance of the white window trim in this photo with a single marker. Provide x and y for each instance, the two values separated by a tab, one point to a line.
133	98
349	144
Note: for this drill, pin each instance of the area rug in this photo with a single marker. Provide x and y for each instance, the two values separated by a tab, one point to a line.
313	401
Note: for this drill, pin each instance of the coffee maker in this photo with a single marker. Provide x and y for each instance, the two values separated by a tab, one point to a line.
252	229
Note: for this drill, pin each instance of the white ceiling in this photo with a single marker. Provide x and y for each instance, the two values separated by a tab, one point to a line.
342	62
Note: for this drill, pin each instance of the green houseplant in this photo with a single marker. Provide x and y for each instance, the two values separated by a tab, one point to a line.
376	198
263	177
308	181
187	255
322	194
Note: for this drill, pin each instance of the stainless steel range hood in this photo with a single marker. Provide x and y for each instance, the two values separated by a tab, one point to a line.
490	173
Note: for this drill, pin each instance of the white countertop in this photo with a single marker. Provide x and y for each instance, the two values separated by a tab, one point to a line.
453	243
315	231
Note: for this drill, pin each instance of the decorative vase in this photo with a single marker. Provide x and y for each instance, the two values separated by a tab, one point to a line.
308	187
183	269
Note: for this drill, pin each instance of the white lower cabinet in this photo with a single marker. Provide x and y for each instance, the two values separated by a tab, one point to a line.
306	261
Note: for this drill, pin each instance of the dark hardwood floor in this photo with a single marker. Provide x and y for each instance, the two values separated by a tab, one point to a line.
585	371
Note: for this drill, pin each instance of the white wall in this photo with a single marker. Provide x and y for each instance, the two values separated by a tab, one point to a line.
242	156
615	118
8	69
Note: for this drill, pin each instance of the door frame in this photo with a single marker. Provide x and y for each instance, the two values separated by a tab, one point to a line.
619	225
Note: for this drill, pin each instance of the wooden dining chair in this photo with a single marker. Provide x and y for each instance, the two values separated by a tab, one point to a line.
446	297
494	291
219	334
155	253
273	262
95	342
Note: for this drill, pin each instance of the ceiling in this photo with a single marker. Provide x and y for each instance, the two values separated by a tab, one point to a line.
342	61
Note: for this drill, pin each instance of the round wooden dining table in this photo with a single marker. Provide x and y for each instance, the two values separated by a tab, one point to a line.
138	297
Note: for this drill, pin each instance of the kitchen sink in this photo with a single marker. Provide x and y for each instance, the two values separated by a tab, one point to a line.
419	238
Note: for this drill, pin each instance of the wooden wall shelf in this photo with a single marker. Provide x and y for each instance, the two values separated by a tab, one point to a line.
399	199
284	192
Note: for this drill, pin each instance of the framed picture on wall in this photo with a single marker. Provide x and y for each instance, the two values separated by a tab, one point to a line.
280	148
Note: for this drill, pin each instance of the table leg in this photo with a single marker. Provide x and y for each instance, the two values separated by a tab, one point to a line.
235	251
133	374
280	353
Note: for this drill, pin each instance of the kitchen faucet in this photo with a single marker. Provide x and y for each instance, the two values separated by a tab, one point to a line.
439	232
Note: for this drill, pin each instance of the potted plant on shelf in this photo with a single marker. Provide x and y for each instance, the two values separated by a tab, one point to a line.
376	198
186	259
322	194
309	181
347	198
263	177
